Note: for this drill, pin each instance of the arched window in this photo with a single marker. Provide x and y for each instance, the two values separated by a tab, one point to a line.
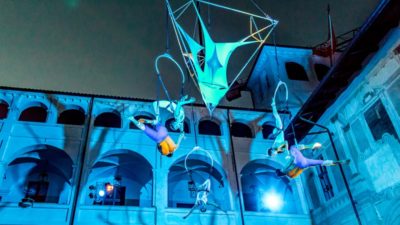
321	70
72	117
138	117
267	130
241	130
209	127
37	113
3	109
295	71
108	119
264	191
182	187
120	177
185	126
43	174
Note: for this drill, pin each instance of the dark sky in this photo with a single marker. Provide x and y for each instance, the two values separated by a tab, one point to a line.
108	47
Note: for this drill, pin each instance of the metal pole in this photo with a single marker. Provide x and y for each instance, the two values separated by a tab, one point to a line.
353	204
236	172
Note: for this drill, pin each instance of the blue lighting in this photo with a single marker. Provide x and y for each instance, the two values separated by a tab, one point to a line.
102	193
272	201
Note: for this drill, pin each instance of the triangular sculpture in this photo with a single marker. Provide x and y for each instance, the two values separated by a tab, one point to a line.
208	63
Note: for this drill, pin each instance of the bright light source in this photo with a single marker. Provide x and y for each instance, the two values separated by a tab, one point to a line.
102	193
109	188
272	201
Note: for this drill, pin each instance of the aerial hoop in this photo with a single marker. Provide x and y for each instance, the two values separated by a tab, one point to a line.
197	149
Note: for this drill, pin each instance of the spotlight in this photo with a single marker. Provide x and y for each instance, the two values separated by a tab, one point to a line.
109	187
102	193
272	201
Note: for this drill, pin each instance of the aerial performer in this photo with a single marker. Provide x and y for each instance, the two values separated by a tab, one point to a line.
280	145
158	132
203	190
154	129
298	163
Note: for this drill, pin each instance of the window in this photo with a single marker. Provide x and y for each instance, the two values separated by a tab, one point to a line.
267	130
361	138
312	189
133	126
108	119
295	71
259	182
123	176
321	70
182	186
378	121
394	96
241	130
3	109
34	114
209	127
185	126
43	174
72	117
324	180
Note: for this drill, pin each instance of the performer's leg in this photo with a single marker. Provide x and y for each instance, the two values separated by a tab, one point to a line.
312	162
138	124
334	163
190	212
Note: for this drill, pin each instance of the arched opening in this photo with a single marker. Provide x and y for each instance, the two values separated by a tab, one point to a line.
321	70
169	128
3	109
181	186
296	71
35	113
264	191
241	130
267	131
74	116
138	117
209	127
108	119
120	177
43	174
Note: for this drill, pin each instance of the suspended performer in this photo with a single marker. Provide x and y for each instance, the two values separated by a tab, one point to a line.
158	132
176	108
298	163
280	145
202	201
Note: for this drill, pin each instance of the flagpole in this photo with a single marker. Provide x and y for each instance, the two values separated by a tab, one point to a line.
330	36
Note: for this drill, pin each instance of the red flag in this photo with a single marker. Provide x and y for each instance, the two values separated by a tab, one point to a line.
327	48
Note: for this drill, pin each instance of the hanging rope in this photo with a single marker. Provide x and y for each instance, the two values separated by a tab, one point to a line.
276	56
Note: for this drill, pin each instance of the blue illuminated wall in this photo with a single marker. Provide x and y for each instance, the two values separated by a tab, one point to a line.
81	143
77	144
365	121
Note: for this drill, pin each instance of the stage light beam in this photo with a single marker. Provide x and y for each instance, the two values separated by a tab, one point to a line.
272	201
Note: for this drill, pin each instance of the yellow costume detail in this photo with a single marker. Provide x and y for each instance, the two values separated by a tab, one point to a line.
167	146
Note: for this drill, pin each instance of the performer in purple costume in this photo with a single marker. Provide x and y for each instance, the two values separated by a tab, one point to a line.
298	163
159	134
